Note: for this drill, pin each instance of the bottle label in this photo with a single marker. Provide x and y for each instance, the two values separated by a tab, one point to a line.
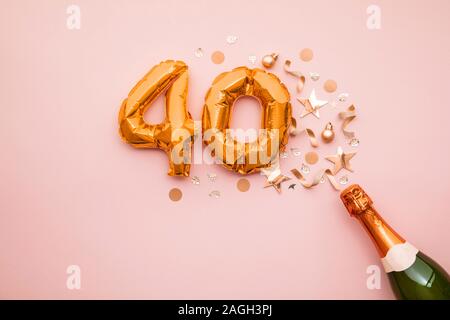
399	257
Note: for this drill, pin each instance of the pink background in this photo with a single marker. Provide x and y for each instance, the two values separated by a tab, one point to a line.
72	193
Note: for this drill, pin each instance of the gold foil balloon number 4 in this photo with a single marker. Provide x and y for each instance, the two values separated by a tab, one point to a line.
176	134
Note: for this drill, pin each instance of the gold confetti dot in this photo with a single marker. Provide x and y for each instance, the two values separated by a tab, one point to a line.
175	194
243	185
311	157
306	54
330	86
217	57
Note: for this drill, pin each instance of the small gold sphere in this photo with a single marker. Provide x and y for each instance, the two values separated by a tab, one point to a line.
328	133
269	60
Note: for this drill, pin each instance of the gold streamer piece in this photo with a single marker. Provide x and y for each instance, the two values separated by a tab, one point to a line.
312	137
297	74
316	179
348	117
293	129
297	174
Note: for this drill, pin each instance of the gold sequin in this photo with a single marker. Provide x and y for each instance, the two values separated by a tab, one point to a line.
217	57
330	86
306	54
175	194
311	157
243	185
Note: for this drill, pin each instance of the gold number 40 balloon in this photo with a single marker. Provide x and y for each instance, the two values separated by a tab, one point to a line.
176	134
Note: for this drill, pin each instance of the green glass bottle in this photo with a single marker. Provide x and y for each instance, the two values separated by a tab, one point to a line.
412	275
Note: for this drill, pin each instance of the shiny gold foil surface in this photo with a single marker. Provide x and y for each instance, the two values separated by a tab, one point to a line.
175	134
355	200
359	204
247	157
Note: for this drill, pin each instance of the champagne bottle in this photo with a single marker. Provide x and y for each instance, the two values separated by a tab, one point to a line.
412	274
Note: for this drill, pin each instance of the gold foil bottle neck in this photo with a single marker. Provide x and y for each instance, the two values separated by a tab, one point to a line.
356	200
359	205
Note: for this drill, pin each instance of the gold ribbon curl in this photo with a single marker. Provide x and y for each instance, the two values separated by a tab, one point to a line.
312	138
316	179
348	117
294	130
297	74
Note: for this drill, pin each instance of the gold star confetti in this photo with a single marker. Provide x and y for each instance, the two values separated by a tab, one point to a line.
274	176
341	160
276	183
272	171
312	105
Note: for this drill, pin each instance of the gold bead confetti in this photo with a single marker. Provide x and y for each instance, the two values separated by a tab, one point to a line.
330	86
306	54
243	185
175	194
276	183
217	57
269	60
328	133
311	157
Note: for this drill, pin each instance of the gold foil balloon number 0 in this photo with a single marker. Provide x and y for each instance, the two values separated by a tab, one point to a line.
175	134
